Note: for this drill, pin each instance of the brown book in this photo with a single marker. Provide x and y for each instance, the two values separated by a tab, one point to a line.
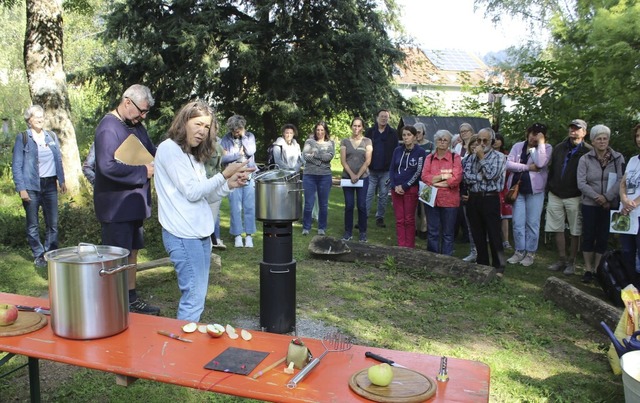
133	152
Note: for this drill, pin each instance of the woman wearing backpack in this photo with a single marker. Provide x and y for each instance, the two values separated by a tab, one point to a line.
286	150
37	173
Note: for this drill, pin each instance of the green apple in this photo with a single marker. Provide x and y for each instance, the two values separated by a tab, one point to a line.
381	374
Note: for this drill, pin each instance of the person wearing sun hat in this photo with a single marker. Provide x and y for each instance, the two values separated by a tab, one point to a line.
564	195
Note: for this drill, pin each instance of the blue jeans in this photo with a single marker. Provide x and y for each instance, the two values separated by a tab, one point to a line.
47	197
441	222
242	206
378	182
192	260
350	195
527	211
630	245
312	185
595	229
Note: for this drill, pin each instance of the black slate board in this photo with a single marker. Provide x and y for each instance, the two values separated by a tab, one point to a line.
237	361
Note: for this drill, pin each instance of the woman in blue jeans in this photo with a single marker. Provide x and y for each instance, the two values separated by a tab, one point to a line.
37	173
318	153
528	161
630	200
184	194
355	157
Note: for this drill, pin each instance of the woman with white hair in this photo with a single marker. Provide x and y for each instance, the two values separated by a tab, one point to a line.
37	173
443	170
596	172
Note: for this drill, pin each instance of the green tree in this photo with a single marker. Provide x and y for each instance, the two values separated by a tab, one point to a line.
271	61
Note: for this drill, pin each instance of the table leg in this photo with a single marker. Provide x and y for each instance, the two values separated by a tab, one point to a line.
34	379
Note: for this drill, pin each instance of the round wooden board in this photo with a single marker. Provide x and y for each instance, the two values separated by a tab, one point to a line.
408	386
27	322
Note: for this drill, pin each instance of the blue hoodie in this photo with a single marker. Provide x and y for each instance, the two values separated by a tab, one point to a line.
406	166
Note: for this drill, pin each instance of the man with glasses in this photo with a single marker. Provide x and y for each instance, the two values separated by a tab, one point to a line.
122	193
385	140
484	174
563	203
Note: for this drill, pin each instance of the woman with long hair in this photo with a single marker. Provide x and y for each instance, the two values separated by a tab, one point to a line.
318	153
184	194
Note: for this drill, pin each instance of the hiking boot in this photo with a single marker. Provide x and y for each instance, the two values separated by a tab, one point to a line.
321	232
517	257
528	259
139	306
238	242
587	277
305	232
219	244
248	242
557	266
569	269
363	237
473	255
380	222
39	262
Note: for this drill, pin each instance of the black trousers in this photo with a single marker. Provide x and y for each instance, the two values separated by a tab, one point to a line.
483	211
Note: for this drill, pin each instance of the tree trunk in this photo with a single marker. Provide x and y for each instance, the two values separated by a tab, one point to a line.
328	248
43	60
591	310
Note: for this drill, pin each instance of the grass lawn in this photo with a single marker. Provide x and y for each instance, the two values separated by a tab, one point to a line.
536	351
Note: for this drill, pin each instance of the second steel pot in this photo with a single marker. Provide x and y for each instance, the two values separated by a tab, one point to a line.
88	291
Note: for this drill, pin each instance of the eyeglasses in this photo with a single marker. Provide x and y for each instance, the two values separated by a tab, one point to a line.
443	140
484	141
142	111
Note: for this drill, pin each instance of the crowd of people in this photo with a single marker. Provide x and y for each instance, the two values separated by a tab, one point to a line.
470	173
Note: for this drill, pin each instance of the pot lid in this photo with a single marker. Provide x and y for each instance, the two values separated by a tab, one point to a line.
276	175
86	253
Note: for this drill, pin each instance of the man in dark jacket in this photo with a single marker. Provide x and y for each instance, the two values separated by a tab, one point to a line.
564	195
384	140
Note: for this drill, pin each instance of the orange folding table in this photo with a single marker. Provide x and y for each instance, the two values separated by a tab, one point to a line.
140	352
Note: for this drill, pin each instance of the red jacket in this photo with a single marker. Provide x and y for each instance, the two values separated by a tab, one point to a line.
449	163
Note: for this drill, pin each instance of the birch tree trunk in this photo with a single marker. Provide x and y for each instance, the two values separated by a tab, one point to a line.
43	60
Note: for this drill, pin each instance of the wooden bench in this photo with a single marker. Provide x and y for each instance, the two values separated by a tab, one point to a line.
140	352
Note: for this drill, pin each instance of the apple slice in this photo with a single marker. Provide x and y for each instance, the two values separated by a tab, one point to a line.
230	329
190	327
215	330
245	335
202	328
233	336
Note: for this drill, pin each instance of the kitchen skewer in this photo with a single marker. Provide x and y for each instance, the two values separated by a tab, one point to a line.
332	343
269	368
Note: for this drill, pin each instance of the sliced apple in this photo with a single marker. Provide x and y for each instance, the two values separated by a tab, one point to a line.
215	330
233	336
202	328
245	335
230	329
190	327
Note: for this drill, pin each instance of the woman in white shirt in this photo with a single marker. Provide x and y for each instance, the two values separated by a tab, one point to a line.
184	194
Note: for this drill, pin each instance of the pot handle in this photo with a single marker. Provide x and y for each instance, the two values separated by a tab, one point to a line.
296	190
107	272
89	244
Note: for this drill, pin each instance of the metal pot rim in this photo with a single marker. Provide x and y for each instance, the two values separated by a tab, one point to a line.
86	253
276	175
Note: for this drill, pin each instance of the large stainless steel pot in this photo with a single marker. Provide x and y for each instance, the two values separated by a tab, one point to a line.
88	291
278	195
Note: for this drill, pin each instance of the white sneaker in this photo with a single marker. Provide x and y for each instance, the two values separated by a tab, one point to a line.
238	242
528	259
219	244
473	255
517	257
248	242
321	232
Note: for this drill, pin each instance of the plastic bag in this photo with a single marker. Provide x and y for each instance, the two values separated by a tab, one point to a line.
628	324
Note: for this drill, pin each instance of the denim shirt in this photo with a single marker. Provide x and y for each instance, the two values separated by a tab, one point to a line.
25	164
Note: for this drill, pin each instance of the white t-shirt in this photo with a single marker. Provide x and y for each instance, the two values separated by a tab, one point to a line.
184	192
632	179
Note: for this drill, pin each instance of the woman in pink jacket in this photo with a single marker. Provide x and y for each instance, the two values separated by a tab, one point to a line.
443	170
528	162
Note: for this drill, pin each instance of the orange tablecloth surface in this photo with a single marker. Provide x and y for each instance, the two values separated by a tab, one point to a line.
142	353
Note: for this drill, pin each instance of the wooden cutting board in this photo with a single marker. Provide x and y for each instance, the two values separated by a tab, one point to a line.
27	322
408	386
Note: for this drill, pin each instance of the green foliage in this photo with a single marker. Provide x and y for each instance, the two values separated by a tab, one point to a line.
282	61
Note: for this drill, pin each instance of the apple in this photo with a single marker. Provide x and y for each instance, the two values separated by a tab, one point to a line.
8	314
245	335
202	328
190	327
381	374
231	332
215	330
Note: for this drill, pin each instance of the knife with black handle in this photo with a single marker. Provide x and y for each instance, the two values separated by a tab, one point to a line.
377	357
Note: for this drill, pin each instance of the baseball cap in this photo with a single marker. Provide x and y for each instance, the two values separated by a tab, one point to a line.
579	123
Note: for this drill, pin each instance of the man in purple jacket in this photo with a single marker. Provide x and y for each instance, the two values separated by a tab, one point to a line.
122	193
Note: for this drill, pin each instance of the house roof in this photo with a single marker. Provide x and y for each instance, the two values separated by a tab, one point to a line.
446	67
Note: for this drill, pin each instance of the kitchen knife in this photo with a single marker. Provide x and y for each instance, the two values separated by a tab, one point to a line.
174	336
39	309
382	359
